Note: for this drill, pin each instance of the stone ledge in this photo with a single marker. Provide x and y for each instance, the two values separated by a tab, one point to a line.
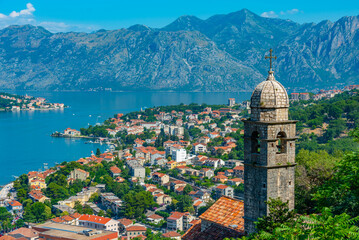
270	167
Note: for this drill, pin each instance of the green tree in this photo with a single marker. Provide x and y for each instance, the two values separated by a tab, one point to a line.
279	214
4	214
187	189
98	152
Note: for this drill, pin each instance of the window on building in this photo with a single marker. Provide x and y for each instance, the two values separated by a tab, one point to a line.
281	142
255	143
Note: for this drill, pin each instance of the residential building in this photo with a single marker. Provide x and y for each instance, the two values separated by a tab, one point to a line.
224	190
160	178
203	195
78	174
220	178
235	181
36	183
97	222
175	221
172	235
162	199
231	102
154	218
111	201
231	163
123	224
239	171
136	170
229	172
72	132
115	171
214	162
197	203
304	96
38	196
179	154
199	148
14	206
135	230
56	231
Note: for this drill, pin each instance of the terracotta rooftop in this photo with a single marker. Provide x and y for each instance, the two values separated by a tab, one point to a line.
227	212
171	234
7	237
115	169
221	186
96	219
125	221
15	203
176	215
155	216
239	168
25	232
136	228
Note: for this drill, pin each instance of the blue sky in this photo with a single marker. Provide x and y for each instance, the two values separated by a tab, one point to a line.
90	15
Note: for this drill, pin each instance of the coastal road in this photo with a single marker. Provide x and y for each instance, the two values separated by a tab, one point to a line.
6	189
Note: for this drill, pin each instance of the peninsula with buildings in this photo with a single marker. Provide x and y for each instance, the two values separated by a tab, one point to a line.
13	102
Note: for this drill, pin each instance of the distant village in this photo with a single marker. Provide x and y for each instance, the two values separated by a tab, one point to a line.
11	102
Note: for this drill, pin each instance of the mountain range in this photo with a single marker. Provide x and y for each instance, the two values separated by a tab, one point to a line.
222	53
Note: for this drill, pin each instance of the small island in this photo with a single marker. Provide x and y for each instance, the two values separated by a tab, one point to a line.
13	102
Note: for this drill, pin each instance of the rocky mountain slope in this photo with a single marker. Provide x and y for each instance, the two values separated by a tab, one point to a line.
222	53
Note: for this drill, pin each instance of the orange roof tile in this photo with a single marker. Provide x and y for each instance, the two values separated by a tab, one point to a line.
227	212
171	234
115	169
15	203
136	228
96	219
125	221
176	215
155	216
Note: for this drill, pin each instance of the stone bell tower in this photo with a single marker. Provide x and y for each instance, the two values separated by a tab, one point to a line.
269	152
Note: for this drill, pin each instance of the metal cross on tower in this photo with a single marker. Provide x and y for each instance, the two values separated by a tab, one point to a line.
270	58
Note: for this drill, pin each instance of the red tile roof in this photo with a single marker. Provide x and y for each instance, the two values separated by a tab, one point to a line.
176	215
227	212
136	228
196	204
125	221
95	219
171	234
15	203
115	169
239	168
155	216
221	186
26	232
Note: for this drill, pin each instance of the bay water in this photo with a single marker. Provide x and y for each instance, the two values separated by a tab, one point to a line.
25	141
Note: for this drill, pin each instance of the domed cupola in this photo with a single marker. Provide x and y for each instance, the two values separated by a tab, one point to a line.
269	101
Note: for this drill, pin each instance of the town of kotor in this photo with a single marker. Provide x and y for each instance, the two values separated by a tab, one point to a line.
185	120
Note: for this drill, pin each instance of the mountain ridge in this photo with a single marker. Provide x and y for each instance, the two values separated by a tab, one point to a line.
221	53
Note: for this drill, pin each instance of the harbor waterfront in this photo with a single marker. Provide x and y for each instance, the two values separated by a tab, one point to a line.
29	131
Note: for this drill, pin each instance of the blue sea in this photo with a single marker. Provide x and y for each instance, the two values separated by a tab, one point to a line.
25	141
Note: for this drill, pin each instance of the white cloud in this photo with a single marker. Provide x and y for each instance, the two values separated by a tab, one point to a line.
25	12
290	12
270	14
26	16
